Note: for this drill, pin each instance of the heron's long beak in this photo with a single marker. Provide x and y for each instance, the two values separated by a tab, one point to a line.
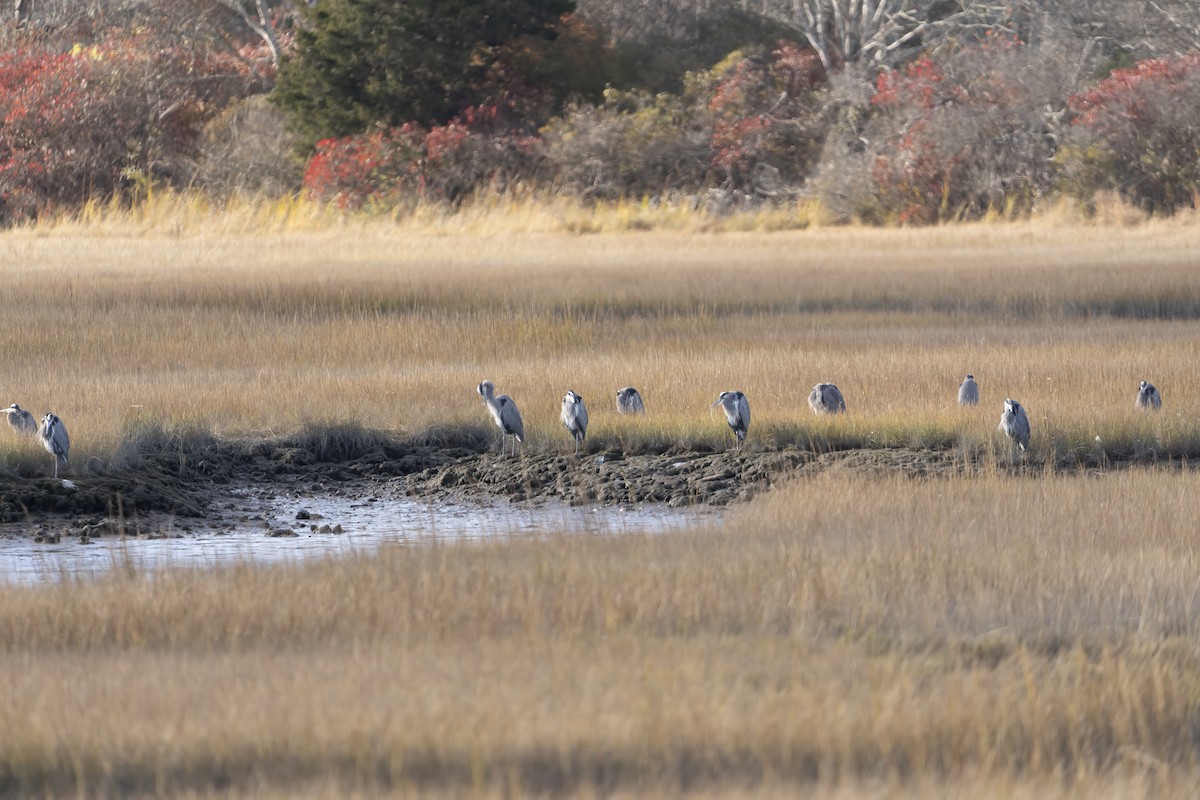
714	405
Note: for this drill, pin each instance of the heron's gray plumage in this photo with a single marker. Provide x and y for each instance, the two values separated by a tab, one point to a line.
629	401
504	412
968	392
20	420
54	438
825	398
574	417
1014	423
1148	398
737	413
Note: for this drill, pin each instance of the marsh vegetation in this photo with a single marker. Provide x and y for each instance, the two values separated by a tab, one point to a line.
1012	629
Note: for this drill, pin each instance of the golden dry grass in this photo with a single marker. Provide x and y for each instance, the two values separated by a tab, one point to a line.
387	327
858	637
845	636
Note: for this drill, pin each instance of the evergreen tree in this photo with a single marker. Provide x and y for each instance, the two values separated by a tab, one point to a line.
361	62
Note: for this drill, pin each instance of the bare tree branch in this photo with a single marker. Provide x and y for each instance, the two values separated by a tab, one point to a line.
258	21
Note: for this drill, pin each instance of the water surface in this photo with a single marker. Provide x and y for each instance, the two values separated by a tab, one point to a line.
365	524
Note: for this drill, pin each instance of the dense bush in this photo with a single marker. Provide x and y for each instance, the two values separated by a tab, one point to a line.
247	150
1138	131
71	129
768	121
963	135
409	162
632	144
103	120
750	127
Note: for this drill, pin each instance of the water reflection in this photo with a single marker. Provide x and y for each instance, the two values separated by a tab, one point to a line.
364	525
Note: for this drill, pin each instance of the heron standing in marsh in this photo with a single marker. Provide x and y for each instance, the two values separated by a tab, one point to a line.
54	438
574	417
737	414
20	420
826	398
968	392
629	401
505	413
1148	398
1014	423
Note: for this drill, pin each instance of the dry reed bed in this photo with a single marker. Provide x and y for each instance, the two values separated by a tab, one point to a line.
868	637
392	329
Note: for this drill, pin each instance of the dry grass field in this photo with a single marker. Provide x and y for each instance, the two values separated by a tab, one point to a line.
845	636
392	328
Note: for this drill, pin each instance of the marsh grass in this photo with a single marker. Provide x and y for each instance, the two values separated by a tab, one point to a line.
851	635
387	328
1011	630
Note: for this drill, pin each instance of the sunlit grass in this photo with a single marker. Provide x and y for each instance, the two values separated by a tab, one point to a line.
1001	632
849	634
377	325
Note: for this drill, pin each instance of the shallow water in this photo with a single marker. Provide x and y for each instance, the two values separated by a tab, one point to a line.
364	524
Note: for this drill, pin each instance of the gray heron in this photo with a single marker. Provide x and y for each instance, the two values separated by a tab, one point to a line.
968	392
737	413
629	401
1148	398
20	420
54	438
574	417
1014	423
825	398
504	412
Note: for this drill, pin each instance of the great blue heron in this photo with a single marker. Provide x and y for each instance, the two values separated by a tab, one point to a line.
968	392
1014	423
54	438
1148	398
574	417
20	420
629	401
825	398
737	413
504	411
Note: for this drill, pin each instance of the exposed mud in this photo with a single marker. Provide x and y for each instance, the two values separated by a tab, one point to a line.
209	482
678	479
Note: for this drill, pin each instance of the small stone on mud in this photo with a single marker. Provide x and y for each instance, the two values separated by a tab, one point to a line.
277	533
303	514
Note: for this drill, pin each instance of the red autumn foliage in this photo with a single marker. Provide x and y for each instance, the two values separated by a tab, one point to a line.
765	116
1136	131
65	130
444	163
103	119
1130	95
958	136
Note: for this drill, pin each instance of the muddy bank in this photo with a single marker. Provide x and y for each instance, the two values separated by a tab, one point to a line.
198	485
677	479
193	479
